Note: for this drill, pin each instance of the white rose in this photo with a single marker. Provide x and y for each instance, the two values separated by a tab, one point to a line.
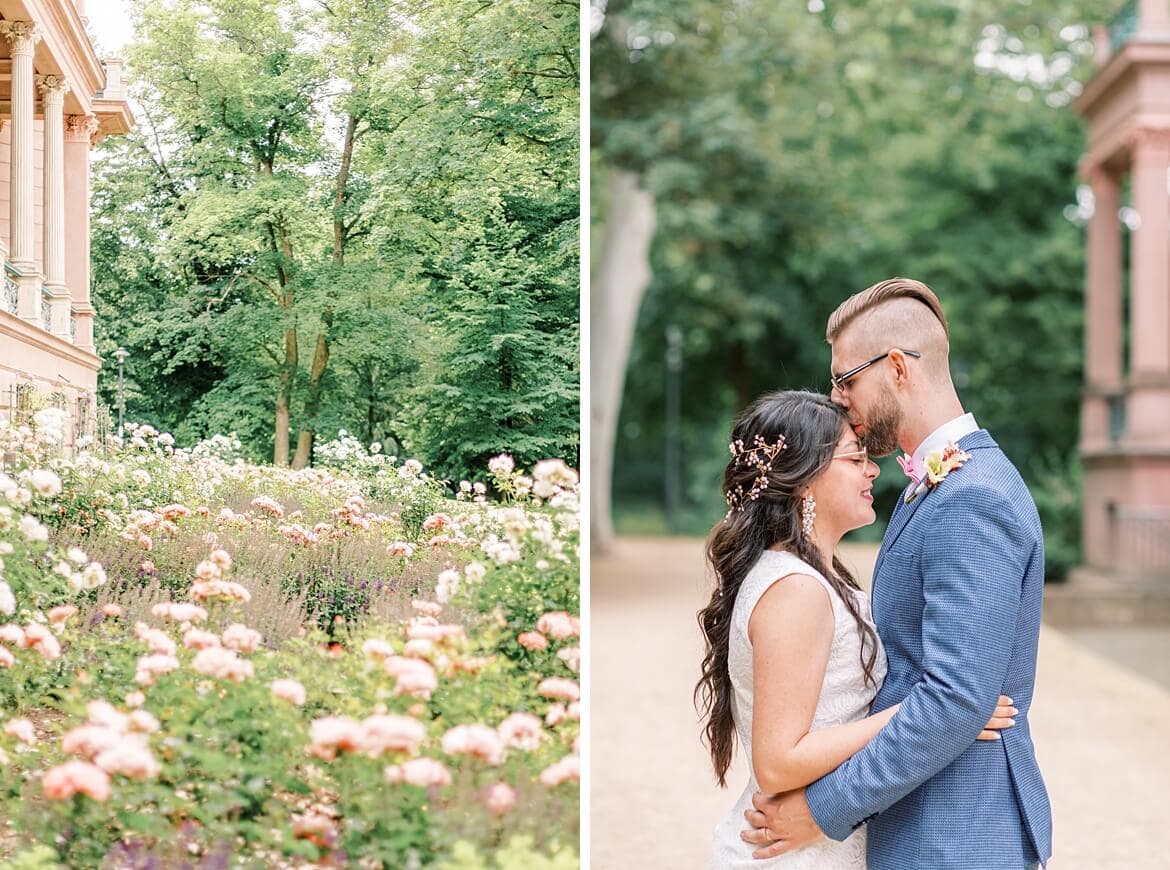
7	599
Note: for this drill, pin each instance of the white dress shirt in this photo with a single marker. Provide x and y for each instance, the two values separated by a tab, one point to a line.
937	440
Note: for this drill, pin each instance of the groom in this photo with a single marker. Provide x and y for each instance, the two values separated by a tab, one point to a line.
956	598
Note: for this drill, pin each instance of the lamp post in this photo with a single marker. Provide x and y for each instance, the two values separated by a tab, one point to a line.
672	454
120	355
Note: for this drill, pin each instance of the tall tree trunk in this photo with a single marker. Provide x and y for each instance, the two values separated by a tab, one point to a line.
320	360
284	396
308	435
282	250
623	273
340	231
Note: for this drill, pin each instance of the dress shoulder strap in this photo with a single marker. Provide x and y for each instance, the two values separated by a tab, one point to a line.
771	566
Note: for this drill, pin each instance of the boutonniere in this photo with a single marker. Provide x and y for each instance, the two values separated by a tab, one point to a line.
938	465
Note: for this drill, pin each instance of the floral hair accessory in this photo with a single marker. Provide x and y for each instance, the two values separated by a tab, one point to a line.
938	465
760	456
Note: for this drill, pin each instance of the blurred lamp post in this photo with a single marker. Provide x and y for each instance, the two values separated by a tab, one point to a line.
673	447
120	355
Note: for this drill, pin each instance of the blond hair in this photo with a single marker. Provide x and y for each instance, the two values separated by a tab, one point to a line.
879	294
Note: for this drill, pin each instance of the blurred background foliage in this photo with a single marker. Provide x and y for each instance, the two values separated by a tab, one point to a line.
799	153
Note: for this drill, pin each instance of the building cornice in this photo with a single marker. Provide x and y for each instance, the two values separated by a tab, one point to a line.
65	48
32	336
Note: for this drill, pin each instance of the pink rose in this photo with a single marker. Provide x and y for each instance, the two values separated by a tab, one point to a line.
197	638
428	608
333	734
289	690
558	687
22	730
568	768
499	798
475	740
129	757
559	624
241	638
76	777
385	733
423	772
521	731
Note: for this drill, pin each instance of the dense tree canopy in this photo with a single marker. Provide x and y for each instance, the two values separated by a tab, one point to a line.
799	154
358	215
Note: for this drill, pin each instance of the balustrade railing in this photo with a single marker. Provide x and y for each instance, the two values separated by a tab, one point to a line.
47	312
11	295
1143	542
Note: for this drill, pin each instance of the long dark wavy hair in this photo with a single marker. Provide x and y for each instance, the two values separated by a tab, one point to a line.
811	426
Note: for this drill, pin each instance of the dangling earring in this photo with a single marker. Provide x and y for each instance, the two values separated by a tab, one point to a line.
808	514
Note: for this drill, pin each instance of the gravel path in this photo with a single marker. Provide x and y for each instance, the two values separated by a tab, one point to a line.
1102	730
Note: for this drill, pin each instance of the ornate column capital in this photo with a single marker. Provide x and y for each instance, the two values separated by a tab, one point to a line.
22	36
53	89
1096	175
80	128
1146	142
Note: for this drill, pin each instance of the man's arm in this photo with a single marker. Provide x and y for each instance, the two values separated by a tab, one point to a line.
973	567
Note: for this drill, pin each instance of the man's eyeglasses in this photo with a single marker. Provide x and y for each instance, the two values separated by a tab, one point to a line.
841	381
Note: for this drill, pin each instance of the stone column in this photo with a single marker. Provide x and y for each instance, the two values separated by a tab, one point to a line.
1103	309
1153	17
22	39
53	89
1148	406
79	131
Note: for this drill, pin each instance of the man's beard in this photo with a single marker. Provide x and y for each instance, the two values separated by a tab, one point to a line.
881	426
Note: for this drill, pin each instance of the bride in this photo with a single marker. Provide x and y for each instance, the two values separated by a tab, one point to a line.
793	660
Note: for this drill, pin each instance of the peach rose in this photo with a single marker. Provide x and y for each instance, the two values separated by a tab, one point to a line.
42	640
62	613
532	640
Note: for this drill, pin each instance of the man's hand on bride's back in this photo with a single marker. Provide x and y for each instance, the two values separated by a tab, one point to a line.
1002	718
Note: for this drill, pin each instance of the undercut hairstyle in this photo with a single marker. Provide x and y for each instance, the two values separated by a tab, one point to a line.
885	291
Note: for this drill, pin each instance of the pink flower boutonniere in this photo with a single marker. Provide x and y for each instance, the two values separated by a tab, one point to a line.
938	465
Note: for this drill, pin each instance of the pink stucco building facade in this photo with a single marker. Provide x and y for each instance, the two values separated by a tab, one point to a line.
1125	421
57	99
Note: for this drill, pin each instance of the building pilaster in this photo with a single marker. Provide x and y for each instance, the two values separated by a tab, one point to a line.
1148	407
79	134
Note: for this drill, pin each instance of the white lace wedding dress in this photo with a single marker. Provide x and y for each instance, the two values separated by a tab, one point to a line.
845	697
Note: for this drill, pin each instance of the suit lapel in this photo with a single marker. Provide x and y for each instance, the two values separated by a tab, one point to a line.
903	512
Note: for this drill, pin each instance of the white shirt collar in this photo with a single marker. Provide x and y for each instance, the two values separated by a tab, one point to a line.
941	437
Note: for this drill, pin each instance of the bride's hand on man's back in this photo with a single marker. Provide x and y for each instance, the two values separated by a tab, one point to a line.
1001	719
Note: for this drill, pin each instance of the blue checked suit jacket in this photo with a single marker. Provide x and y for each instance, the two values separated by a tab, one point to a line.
956	598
